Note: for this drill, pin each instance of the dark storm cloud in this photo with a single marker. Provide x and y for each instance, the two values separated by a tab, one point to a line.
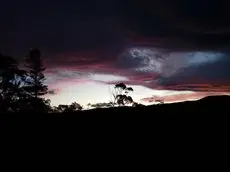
199	77
91	36
57	26
179	25
71	26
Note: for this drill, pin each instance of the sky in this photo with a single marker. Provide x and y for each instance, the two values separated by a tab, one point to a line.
169	50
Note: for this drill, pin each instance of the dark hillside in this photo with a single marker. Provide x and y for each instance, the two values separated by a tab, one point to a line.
209	108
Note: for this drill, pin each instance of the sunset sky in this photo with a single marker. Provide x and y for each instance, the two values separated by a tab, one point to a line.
163	49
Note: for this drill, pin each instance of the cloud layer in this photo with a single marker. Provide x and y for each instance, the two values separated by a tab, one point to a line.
159	44
150	67
189	25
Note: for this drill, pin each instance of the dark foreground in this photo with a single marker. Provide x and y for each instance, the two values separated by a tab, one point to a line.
190	128
210	111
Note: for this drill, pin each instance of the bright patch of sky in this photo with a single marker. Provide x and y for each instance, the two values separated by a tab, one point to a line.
106	78
93	92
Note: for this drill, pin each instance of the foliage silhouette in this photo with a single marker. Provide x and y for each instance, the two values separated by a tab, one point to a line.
102	105
120	95
11	82
68	108
34	83
75	106
20	89
88	105
35	86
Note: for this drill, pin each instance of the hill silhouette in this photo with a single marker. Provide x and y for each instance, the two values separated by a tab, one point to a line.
203	110
207	104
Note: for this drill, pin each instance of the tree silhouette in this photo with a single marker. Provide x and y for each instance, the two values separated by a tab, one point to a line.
88	105
102	105
68	108
8	67
61	108
75	106
120	94
11	78
35	86
123	99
